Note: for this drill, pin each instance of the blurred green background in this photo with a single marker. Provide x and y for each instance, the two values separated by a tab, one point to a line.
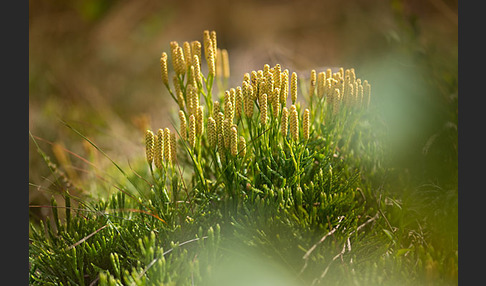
95	65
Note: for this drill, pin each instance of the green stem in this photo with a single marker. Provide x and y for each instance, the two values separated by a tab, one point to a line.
296	165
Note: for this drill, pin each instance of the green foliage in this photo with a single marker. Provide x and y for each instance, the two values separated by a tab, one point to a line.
315	208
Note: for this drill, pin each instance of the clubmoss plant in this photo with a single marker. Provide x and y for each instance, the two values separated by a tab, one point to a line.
281	165
256	145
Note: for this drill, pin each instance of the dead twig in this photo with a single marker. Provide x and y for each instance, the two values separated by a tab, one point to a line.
308	253
86	237
343	250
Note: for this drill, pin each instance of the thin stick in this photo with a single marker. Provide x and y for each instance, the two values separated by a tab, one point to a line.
86	237
167	252
346	243
306	256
